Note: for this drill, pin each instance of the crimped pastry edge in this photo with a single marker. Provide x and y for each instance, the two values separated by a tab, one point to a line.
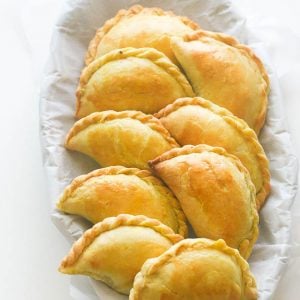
152	266
246	245
144	175
112	223
156	57
108	115
240	125
134	10
245	50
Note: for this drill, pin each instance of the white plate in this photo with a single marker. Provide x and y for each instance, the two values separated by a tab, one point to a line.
72	34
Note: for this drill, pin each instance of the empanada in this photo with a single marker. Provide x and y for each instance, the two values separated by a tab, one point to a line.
114	250
198	121
226	73
141	79
127	138
195	269
140	27
215	192
118	190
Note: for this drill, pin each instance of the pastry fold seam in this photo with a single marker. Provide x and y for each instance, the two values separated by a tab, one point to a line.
134	10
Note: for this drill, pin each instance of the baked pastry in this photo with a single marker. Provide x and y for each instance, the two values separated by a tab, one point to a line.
198	121
127	138
215	192
195	269
139	27
115	190
226	73
141	79
114	250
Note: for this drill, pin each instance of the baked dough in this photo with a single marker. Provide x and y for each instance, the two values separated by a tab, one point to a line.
115	190
225	72
141	79
195	269
198	121
127	138
215	192
114	250
139	27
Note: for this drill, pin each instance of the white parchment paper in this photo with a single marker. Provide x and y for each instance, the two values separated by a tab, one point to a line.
72	33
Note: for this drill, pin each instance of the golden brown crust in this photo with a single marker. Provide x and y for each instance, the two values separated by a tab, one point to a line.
102	117
111	223
231	41
246	245
151	54
145	175
134	10
240	125
152	266
188	149
245	50
113	170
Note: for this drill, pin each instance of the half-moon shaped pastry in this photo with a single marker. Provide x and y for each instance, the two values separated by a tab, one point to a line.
195	269
113	251
141	79
198	121
127	138
226	73
118	190
140	27
215	192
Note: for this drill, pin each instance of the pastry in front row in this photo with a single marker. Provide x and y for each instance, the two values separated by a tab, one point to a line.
111	191
215	192
114	250
139	27
225	72
195	269
193	121
141	79
127	138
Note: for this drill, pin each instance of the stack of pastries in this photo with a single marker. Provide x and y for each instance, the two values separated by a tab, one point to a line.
171	113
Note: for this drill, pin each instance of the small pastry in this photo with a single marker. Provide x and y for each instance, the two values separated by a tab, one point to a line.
114	250
225	72
140	27
141	79
127	138
215	192
193	121
118	190
195	269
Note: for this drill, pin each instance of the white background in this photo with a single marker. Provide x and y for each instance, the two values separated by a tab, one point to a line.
31	247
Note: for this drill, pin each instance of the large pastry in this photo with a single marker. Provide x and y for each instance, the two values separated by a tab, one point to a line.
131	78
193	121
225	72
127	138
114	250
215	192
139	27
118	190
195	269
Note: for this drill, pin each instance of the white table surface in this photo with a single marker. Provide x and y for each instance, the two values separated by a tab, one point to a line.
31	247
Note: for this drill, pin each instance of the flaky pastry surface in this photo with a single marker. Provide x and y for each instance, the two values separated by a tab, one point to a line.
225	72
215	192
198	121
141	79
195	269
114	250
140	27
118	190
127	138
